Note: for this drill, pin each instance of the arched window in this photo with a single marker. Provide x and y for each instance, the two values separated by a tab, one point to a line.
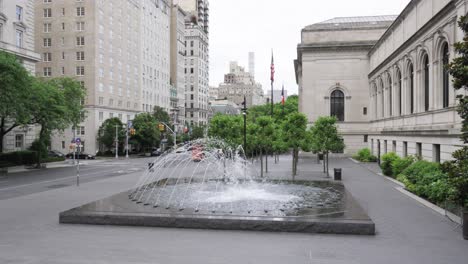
426	82
390	99
445	73
411	87
382	99
398	75
337	105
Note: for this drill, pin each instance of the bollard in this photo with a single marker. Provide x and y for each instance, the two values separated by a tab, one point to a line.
337	174
465	225
150	166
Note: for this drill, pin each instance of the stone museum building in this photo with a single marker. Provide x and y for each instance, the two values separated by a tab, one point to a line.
384	79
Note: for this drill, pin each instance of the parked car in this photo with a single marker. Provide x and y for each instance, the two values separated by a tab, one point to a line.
55	154
80	156
156	153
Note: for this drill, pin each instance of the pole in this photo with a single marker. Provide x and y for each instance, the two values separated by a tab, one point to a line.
78	170
271	98
245	124
116	142
126	143
74	148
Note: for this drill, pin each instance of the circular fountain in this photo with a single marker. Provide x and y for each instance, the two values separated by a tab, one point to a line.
208	184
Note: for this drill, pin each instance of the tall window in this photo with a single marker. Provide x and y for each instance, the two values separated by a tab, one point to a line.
445	73
426	82
411	87
398	75
19	38
19	13
390	97
337	105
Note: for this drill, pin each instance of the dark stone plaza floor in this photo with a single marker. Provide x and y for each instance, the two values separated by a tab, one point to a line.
406	231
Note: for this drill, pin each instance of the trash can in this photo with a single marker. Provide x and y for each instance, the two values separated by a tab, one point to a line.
337	175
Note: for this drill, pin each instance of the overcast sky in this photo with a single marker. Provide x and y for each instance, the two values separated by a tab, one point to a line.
240	26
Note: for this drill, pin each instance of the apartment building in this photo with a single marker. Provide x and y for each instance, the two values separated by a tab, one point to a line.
17	37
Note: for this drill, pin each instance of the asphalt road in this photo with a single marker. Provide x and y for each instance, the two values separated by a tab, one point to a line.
34	181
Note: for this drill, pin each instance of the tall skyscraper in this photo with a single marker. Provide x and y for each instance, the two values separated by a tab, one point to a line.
118	50
17	37
252	64
196	61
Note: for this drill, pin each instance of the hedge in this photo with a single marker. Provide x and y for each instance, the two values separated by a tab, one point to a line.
365	155
18	158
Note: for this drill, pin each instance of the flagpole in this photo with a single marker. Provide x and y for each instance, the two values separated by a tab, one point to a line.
272	80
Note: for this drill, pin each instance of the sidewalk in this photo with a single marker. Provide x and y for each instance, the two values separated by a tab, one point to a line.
407	232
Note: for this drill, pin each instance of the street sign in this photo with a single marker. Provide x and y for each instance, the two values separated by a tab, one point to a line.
78	141
129	124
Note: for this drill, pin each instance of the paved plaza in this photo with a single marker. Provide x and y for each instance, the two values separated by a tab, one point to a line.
407	232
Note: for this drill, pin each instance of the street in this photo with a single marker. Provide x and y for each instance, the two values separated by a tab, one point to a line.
34	181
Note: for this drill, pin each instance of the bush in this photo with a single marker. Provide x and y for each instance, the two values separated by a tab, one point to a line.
364	155
18	158
400	164
426	180
53	159
386	165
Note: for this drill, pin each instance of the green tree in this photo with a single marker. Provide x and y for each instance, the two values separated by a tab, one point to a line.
325	138
57	106
161	115
229	128
457	169
197	132
296	136
15	94
107	132
147	134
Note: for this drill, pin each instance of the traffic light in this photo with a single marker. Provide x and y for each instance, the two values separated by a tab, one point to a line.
132	131
162	127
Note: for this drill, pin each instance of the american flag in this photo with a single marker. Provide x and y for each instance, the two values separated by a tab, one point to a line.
272	68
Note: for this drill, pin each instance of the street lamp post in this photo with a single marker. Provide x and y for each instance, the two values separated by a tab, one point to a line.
173	132
116	141
245	123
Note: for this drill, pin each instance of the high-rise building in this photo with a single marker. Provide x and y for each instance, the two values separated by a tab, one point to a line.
252	64
239	83
118	50
197	12
196	61
155	54
17	37
178	65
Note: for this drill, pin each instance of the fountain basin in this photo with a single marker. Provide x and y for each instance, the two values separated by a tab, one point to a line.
341	214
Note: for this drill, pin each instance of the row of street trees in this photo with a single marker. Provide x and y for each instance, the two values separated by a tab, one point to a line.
286	130
52	104
147	133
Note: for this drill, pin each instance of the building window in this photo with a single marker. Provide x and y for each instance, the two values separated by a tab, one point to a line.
419	150
80	11
426	82
101	100
47	72
47	1
80	56
80	26
19	38
436	153
394	146
390	96
63	144
366	138
47	42
398	74
445	73
80	70
47	12
101	116
80	41
337	105
47	27
19	13
411	87
405	149
47	56
19	141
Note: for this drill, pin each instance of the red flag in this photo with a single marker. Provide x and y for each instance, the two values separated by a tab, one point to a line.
272	68
282	95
